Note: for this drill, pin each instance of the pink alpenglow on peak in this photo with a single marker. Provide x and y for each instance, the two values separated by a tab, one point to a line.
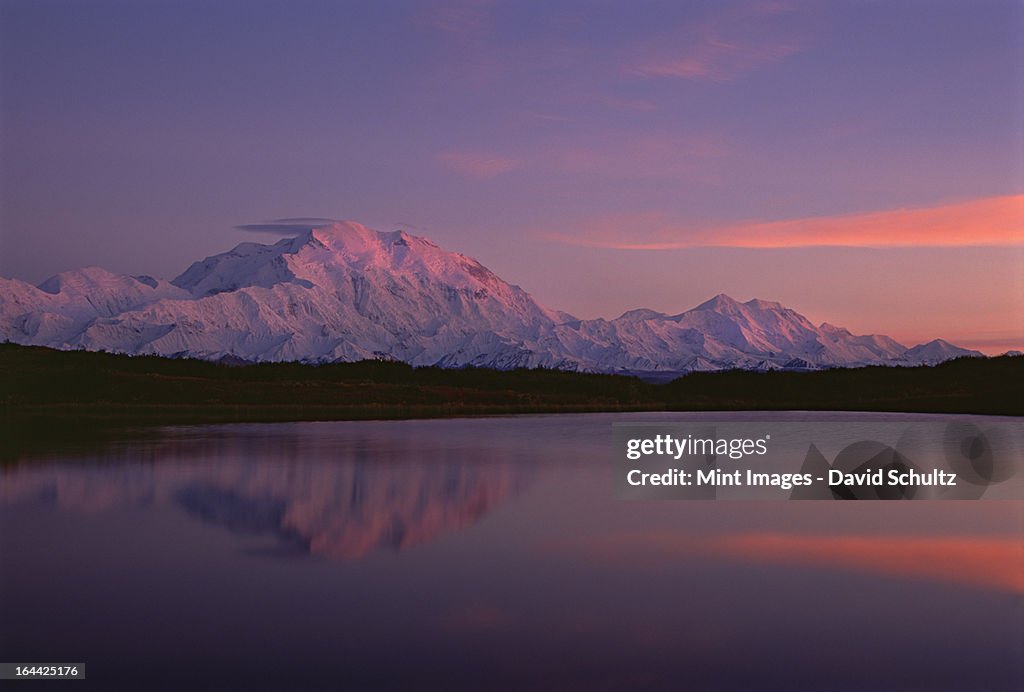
342	292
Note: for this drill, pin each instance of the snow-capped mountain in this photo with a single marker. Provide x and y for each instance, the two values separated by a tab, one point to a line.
935	351
345	292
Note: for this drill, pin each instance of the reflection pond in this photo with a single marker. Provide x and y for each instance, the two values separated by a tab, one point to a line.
484	553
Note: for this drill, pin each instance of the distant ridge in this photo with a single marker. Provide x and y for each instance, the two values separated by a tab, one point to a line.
343	292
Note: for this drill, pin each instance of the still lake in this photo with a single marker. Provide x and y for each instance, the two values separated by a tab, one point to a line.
484	553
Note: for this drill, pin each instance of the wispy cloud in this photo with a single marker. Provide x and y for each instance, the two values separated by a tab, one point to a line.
722	47
718	59
988	221
476	164
464	33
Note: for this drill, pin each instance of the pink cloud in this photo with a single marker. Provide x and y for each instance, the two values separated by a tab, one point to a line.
722	47
989	221
715	59
474	164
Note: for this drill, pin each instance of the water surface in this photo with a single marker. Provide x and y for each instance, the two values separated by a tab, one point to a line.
484	554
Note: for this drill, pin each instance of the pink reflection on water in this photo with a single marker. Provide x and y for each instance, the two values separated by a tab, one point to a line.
987	562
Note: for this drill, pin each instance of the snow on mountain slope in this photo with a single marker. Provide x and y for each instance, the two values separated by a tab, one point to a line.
937	351
721	333
345	292
56	311
337	293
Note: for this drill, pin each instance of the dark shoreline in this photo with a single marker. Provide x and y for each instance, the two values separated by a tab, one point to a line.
49	396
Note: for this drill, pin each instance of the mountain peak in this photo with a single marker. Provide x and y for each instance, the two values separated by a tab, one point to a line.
936	351
723	302
759	304
718	302
343	234
356	242
641	314
342	291
352	231
84	276
939	345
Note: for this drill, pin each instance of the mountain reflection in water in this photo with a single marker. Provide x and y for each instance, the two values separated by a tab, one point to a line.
335	498
485	553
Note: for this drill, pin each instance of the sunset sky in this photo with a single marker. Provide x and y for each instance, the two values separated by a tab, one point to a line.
861	162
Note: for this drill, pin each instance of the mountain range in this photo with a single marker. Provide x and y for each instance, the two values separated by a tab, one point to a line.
345	292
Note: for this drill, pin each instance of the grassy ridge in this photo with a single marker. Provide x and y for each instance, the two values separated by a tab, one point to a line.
39	385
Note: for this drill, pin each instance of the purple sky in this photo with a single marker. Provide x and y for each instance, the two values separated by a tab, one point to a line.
862	162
